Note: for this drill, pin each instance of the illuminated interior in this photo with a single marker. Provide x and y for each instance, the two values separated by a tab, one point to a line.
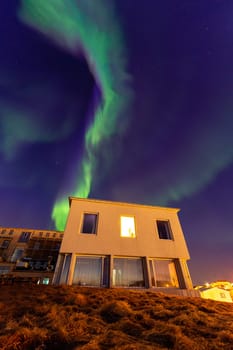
127	226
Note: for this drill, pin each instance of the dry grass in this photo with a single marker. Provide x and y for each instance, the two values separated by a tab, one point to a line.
60	318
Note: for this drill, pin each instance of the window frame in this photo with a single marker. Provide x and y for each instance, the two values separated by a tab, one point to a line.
85	214
133	235
5	244
24	237
169	234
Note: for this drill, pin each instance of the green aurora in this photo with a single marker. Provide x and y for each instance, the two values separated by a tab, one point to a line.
90	27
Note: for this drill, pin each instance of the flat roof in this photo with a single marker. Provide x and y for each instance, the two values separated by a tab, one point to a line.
121	203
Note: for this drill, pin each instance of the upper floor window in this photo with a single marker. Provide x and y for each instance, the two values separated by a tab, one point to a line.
36	245
24	237
5	243
164	229
89	225
127	226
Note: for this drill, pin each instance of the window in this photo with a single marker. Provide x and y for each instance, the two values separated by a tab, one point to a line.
18	253
5	243
47	234
127	226
164	229
24	236
57	246
11	232
89	223
63	267
4	270
128	272
163	273
36	245
91	271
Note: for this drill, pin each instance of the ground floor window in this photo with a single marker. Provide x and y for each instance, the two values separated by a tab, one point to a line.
91	271
128	272
4	270
163	273
18	253
63	268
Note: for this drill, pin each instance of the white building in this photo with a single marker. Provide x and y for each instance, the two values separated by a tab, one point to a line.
113	244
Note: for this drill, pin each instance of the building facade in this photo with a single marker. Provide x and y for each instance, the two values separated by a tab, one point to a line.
28	253
113	244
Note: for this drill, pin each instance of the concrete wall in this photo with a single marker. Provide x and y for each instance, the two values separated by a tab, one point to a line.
108	239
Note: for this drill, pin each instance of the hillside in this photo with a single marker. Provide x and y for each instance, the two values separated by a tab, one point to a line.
59	318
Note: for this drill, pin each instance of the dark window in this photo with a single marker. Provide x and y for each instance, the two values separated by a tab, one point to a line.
36	245
11	232
164	230
128	272
89	223
91	271
57	246
5	243
24	236
18	253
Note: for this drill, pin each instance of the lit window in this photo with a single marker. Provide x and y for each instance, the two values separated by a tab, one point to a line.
89	224
164	229
127	226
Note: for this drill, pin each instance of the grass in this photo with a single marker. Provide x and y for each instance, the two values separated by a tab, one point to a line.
63	317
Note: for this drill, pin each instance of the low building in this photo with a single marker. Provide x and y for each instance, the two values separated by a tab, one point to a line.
216	293
219	291
113	244
28	254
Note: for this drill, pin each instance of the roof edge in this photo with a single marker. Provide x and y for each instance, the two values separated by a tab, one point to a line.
120	203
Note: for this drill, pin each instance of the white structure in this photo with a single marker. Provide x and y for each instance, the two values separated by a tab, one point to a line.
112	244
216	293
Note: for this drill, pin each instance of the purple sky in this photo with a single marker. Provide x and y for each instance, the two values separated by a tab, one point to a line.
177	149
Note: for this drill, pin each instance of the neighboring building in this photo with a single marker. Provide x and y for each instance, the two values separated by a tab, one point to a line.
216	293
219	291
113	244
28	253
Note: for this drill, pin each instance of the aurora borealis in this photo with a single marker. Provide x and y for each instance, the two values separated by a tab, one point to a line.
124	101
85	26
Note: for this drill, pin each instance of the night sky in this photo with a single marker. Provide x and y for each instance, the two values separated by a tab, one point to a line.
120	100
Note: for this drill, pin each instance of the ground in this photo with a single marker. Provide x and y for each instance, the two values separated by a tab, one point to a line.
39	317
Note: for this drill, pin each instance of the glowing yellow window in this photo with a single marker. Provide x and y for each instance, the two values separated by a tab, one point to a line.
127	226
